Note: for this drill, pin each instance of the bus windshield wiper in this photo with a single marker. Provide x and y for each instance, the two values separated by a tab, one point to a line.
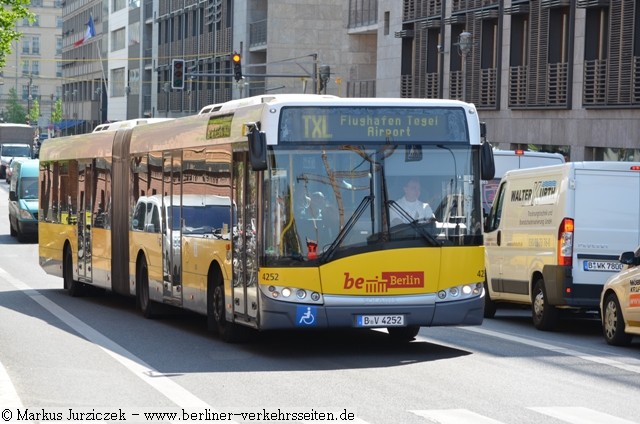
414	223
326	256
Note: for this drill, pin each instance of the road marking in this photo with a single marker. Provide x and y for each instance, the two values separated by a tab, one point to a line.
570	414
455	416
546	346
156	379
580	415
173	391
8	396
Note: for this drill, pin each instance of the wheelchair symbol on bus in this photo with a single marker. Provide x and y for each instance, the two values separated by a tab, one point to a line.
306	315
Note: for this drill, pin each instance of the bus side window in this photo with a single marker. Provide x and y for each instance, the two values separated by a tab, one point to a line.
155	219
137	222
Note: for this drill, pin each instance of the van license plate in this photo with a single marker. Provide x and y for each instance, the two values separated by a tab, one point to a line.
609	266
380	321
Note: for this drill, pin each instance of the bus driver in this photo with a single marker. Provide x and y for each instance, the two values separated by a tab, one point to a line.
409	203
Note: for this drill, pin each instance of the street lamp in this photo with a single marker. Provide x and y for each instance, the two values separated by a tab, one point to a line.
465	42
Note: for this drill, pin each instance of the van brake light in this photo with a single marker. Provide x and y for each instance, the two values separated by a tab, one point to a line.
565	242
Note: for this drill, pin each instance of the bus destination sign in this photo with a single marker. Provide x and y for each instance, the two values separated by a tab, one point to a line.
378	124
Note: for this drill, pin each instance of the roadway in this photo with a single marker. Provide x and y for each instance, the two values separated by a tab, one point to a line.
59	353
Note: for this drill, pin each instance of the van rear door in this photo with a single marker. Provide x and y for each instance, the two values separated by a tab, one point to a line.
607	223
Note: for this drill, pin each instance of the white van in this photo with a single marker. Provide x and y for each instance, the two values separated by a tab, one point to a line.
554	235
508	160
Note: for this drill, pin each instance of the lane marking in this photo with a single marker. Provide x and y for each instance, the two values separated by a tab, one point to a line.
455	416
8	395
580	415
154	378
171	390
553	348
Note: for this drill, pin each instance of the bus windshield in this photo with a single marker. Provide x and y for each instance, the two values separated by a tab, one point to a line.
344	198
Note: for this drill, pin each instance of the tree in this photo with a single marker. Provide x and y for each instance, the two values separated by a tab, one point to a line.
34	113
11	12
15	111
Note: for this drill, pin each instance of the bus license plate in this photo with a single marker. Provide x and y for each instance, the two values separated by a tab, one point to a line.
609	266
380	321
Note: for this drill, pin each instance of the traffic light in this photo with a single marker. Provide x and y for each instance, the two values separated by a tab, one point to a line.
177	74
237	66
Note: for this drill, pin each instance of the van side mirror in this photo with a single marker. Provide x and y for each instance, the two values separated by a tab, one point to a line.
257	149
487	164
12	196
629	258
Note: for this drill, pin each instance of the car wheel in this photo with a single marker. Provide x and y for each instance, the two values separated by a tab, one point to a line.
613	327
12	230
545	316
403	334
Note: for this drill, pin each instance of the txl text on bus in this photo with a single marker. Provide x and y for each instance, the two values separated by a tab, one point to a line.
279	214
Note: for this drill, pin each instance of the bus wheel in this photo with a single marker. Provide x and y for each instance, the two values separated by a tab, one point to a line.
227	331
489	305
613	327
145	304
404	334
72	286
545	316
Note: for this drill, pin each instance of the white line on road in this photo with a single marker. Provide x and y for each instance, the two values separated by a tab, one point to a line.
546	346
8	396
171	390
455	416
580	415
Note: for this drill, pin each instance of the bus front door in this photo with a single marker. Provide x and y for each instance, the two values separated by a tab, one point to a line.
245	245
172	228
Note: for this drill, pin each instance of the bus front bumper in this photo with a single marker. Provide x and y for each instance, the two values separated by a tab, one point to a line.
346	311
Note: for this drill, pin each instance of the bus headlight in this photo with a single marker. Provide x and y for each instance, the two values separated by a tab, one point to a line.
291	294
461	292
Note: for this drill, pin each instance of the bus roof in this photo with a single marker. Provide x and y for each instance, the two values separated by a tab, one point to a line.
112	126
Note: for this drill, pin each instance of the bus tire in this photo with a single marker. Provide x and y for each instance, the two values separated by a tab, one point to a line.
403	334
216	319
545	316
490	306
73	287
146	305
613	327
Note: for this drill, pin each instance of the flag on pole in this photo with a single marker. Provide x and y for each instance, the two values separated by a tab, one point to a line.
91	32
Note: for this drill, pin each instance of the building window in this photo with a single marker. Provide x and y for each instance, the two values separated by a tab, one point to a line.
117	82
35	45
119	5
386	22
117	39
26	45
134	33
612	154
25	67
539	68
35	67
362	13
59	69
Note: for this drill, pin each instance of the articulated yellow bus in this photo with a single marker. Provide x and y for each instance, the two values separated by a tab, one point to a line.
299	211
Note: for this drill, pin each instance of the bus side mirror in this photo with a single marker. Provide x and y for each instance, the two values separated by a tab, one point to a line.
487	165
257	149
